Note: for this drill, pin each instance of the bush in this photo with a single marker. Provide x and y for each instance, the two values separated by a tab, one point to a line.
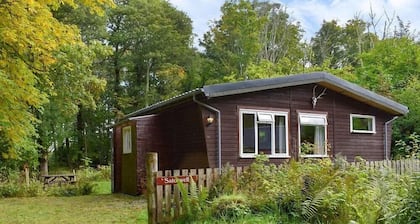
409	148
9	190
19	189
224	184
230	207
102	173
260	182
410	211
77	189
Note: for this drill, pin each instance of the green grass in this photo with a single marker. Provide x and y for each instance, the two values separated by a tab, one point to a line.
105	208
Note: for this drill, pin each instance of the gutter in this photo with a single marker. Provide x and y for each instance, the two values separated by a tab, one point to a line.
386	136
219	130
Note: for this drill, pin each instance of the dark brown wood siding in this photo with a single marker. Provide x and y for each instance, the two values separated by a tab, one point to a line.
182	130
177	136
294	99
148	139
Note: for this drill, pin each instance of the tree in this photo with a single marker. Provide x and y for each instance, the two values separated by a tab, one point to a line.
75	88
87	132
390	65
279	36
152	44
30	37
328	45
232	42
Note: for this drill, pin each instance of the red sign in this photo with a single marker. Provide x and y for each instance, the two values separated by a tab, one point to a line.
172	180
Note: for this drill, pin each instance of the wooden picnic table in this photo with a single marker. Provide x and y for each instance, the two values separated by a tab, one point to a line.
59	178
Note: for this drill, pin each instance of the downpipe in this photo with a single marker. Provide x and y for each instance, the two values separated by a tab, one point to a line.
219	131
386	136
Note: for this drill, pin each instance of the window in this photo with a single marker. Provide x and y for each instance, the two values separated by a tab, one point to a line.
126	139
263	132
312	134
362	123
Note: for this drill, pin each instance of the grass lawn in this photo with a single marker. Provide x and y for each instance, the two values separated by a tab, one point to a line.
99	208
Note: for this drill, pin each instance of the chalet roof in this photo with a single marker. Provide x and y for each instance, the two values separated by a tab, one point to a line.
321	78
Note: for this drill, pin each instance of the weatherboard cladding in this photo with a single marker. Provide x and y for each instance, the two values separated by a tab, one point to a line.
325	79
338	108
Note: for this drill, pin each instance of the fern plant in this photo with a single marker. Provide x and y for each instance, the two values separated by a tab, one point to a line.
194	201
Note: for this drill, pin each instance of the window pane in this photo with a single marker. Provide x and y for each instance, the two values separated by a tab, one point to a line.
312	139
127	139
362	124
248	135
280	133
264	138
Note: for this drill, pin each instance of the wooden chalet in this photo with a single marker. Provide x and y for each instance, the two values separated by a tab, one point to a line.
293	117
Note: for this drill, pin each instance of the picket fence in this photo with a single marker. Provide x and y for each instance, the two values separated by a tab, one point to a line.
164	196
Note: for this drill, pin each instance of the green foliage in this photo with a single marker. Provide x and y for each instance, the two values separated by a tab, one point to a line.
151	41
81	187
225	184
232	41
12	184
410	148
405	127
194	202
20	189
33	37
259	183
230	207
312	191
102	173
409	212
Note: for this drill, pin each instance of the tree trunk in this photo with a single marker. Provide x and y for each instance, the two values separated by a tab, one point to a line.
43	162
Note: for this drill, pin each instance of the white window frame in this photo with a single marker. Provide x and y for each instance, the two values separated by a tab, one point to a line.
317	117
352	130
126	140
265	120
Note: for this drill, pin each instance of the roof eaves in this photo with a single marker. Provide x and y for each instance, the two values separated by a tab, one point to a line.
368	96
163	103
346	87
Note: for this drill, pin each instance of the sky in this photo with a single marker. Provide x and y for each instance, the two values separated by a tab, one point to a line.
310	13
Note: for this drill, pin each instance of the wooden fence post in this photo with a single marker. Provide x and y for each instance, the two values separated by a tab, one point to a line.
151	170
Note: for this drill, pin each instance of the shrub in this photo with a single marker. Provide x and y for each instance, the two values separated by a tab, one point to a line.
8	189
260	182
19	189
230	207
410	211
77	189
410	148
224	184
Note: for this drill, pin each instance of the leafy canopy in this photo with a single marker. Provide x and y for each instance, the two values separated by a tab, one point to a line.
29	38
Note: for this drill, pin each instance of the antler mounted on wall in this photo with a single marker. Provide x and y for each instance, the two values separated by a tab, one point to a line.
316	98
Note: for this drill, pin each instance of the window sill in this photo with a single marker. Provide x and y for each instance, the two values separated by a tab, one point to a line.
314	156
363	132
269	156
